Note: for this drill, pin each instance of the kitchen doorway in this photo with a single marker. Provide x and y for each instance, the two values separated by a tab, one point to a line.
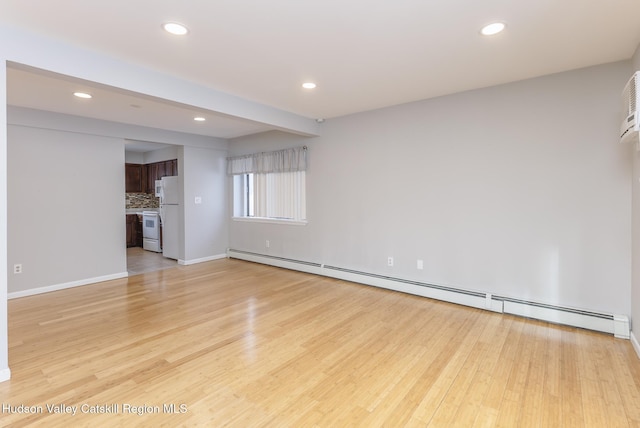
146	164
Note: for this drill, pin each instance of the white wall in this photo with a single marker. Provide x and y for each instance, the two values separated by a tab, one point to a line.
203	175
635	290
5	373
66	206
520	190
134	157
160	155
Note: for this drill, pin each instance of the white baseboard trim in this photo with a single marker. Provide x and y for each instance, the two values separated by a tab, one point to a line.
618	325
276	261
635	343
461	297
621	326
201	260
5	374
56	287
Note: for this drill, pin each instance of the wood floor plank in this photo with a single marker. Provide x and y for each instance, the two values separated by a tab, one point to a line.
241	344
482	363
552	390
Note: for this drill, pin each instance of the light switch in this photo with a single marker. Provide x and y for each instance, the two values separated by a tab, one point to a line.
198	200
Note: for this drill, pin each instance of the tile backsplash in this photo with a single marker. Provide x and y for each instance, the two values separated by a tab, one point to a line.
141	200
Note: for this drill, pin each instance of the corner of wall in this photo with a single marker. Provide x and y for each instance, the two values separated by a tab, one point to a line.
5	373
635	59
635	248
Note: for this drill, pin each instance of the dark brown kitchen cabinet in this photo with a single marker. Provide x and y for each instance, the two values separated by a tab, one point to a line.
171	168
152	173
138	231
160	170
132	230
157	170
133	180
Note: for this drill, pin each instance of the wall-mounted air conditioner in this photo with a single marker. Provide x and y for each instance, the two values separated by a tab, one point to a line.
629	130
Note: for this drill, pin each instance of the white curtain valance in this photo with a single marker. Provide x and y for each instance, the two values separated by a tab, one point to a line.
287	160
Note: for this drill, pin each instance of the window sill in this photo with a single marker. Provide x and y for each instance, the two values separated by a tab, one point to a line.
271	220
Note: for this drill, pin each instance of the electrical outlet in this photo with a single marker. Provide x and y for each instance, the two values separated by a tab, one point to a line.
17	268
267	243
389	261
420	264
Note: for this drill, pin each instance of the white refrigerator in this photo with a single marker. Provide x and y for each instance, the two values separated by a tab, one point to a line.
169	215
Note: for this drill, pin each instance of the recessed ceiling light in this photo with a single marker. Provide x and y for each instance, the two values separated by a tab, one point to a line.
491	29
199	119
309	85
175	28
82	95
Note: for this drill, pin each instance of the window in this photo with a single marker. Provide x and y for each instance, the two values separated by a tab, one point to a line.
270	186
278	195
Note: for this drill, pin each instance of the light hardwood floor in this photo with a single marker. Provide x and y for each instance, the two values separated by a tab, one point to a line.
141	261
241	344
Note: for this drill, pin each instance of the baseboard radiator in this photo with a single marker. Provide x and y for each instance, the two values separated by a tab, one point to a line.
618	325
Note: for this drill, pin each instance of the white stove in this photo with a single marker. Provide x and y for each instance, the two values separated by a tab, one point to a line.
151	231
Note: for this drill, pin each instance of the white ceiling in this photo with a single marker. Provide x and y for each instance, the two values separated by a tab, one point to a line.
363	54
47	91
